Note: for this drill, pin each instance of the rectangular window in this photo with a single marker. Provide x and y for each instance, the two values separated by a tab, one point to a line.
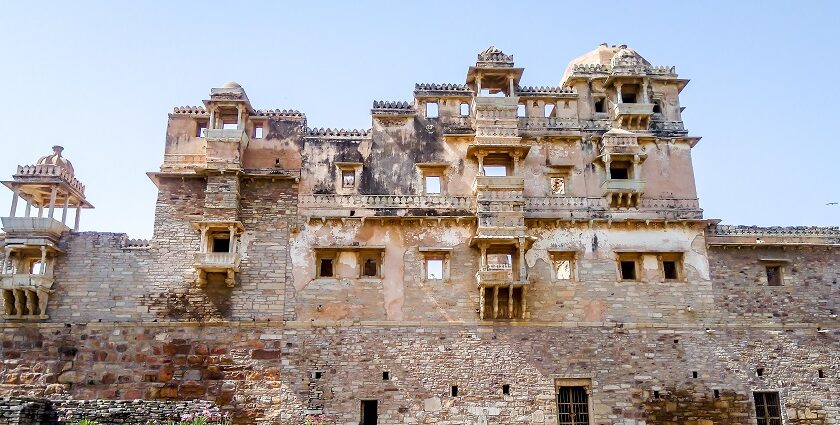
572	406
325	267
434	269
454	391
628	270
774	275
495	170
768	411
431	110
564	270
369	412
619	172
230	126
669	268
201	129
432	184
465	109
221	243
558	185
348	178
600	107
520	110
258	132
370	268
548	110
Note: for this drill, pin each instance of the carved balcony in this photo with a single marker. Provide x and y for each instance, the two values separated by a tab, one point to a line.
490	278
26	281
33	227
623	193
217	262
225	148
633	116
499	183
538	124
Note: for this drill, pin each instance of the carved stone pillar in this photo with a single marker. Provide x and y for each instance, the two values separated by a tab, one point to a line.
53	194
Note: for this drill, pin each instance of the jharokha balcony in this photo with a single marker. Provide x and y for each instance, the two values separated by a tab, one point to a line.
217	262
43	226
623	193
633	116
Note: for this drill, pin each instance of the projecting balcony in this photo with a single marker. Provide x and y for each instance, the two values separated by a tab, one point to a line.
499	183
225	148
34	226
26	281
489	278
232	135
217	261
623	193
633	116
496	102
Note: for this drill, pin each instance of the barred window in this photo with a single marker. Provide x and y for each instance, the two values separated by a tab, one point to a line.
767	408
573	406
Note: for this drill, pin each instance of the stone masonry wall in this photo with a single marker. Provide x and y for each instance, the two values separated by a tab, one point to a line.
41	411
266	372
809	292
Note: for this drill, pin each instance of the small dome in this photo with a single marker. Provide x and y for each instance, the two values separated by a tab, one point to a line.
57	159
605	55
231	85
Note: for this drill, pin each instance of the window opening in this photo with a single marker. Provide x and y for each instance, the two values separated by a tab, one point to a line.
564	270
599	106
432	184
492	93
201	129
506	389
820	373
573	406
454	391
767	408
35	268
230	125
348	178
370	268
619	172
258	132
369	412
717	393
464	109
774	275
431	110
221	243
386	376
657	107
548	110
628	270
670	269
694	374
558	185
326	269
495	170
434	269
759	371
520	110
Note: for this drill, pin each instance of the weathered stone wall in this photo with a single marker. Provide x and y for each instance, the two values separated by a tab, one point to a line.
265	372
41	411
808	293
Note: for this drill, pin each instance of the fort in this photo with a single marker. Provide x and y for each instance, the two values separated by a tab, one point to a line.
486	253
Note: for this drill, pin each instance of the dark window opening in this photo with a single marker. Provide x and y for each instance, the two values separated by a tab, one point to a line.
774	275
326	269
657	107
316	375
656	395
454	391
820	373
370	268
628	97
600	106
768	411
573	406
201	129
694	374
386	376
506	389
759	371
670	269
630	93
369	412
717	393
220	245
619	172
628	270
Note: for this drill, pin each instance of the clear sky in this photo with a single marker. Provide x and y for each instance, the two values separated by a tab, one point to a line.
100	78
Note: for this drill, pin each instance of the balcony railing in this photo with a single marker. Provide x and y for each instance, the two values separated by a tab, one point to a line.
25	281
633	109
551	123
227	135
174	161
217	261
386	201
34	225
623	186
496	102
494	277
499	182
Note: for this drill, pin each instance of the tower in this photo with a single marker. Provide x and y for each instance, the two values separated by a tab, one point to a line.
26	276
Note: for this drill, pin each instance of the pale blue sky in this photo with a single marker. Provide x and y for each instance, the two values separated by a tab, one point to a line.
100	77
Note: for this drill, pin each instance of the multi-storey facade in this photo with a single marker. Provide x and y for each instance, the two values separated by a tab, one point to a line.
489	252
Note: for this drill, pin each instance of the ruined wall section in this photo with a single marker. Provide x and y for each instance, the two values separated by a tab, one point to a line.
241	366
811	281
